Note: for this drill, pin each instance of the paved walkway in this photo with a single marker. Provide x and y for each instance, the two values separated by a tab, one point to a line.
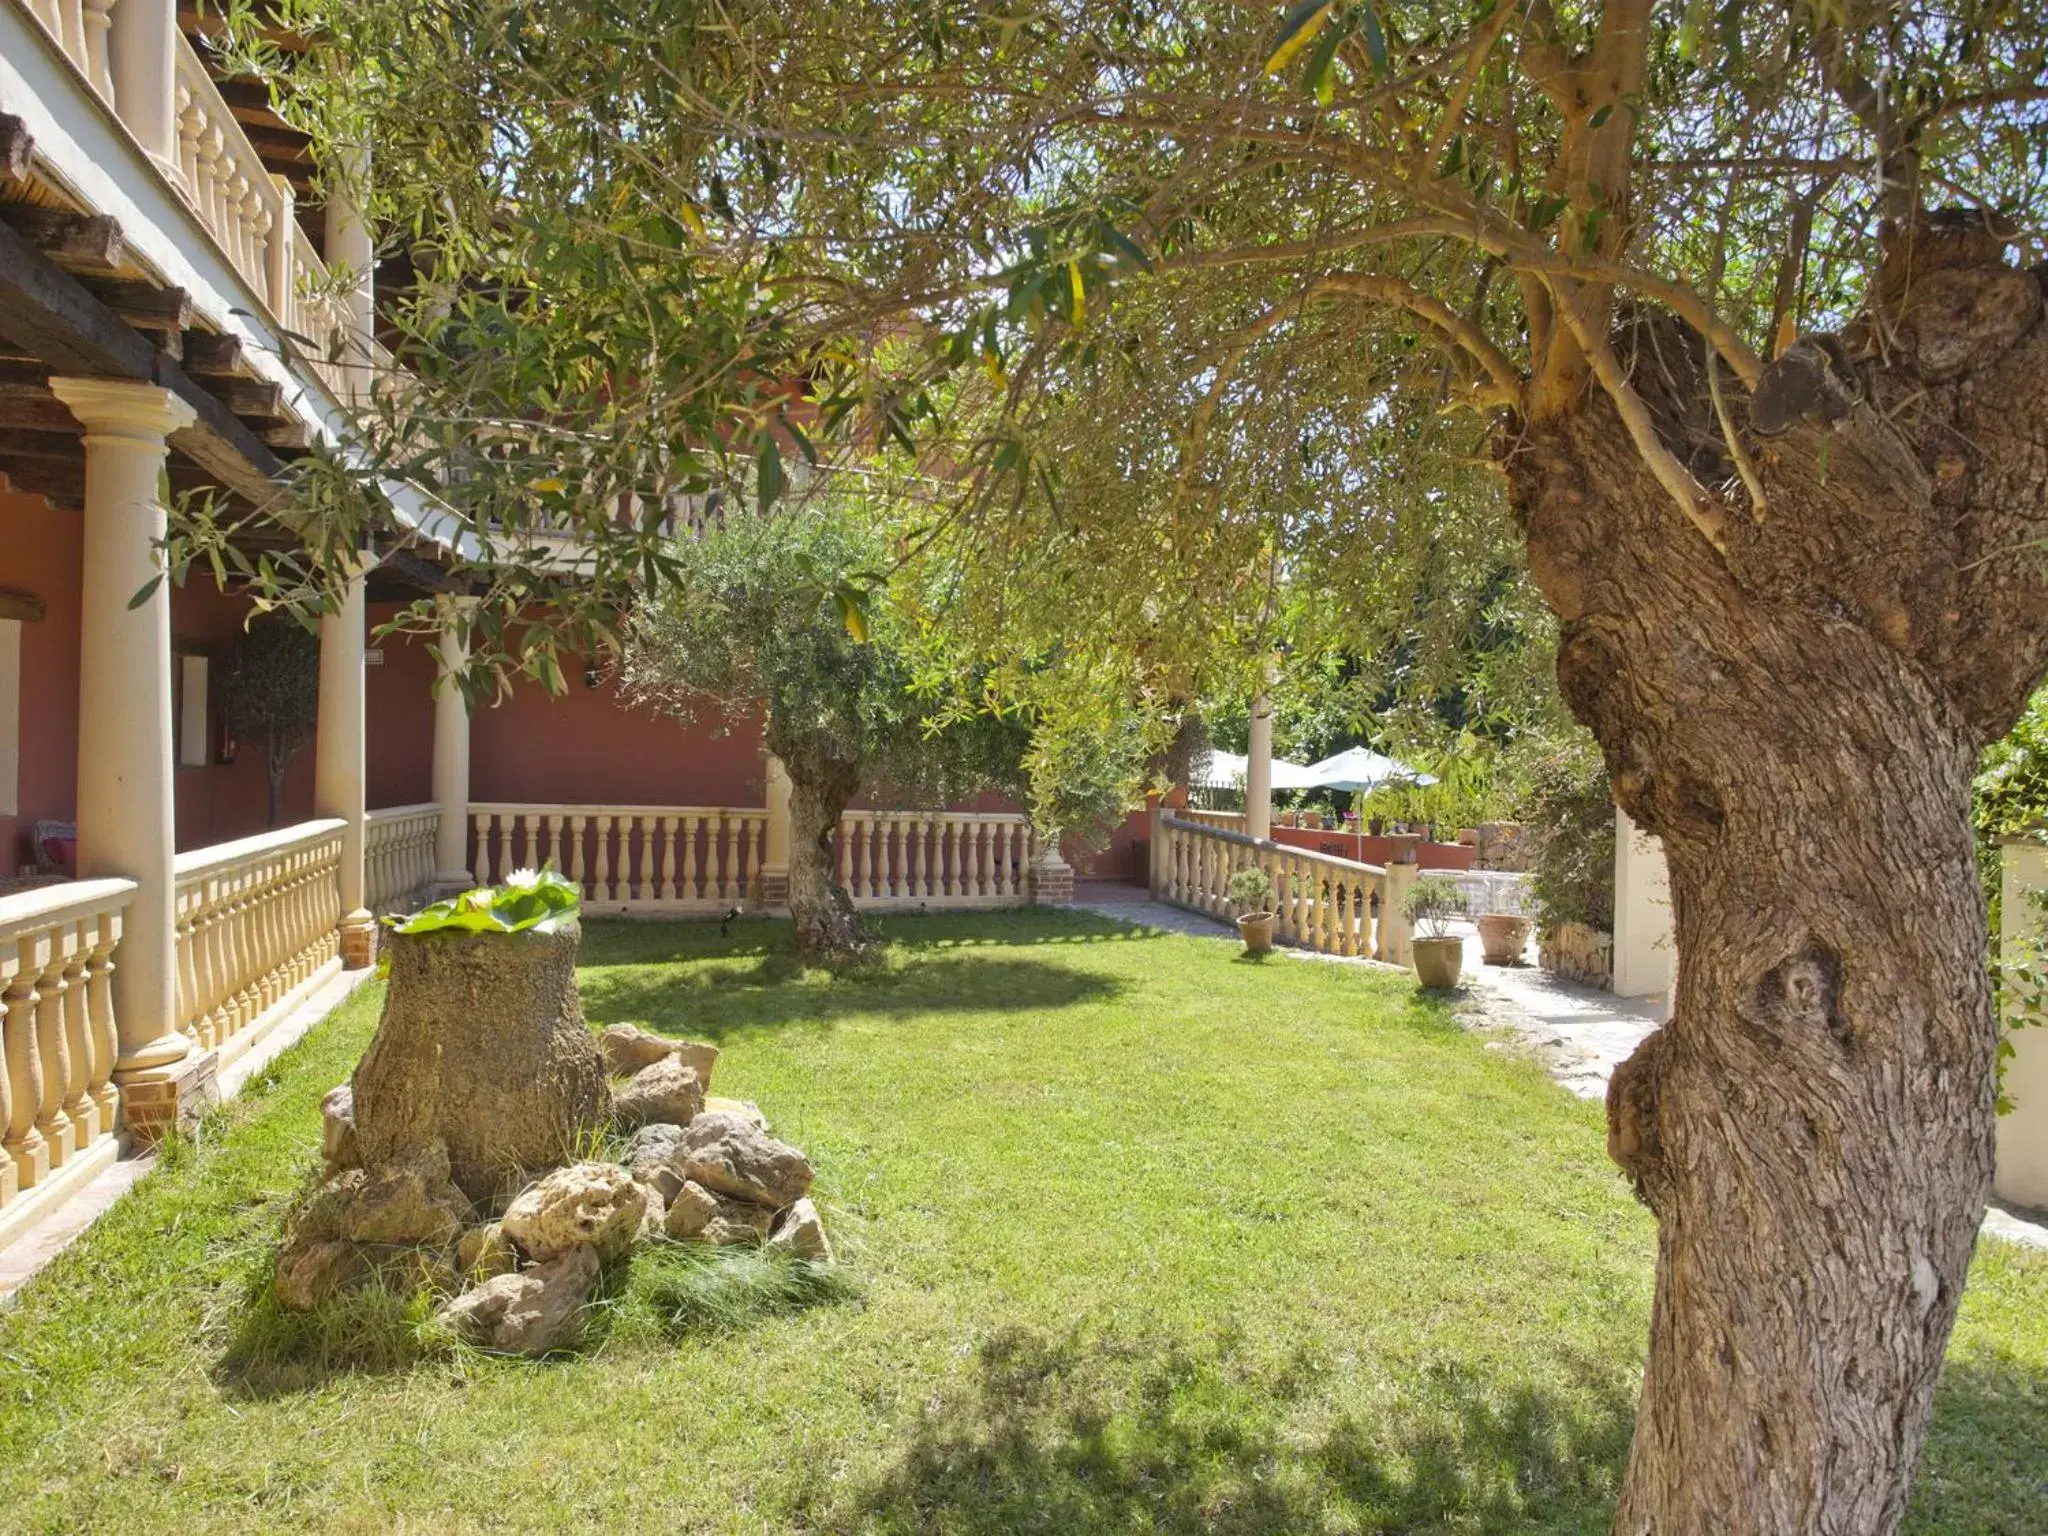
1579	1033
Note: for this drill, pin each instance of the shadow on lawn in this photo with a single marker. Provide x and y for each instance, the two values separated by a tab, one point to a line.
1060	1436
712	1004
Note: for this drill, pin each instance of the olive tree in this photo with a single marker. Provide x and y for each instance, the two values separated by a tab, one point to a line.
270	693
777	615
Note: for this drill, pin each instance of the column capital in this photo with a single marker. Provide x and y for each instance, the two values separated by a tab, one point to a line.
124	407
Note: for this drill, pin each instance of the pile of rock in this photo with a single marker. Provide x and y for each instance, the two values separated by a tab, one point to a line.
517	1275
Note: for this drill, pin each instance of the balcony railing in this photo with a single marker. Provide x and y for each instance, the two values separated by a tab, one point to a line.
57	1098
1330	905
680	859
247	211
398	856
629	858
256	918
935	858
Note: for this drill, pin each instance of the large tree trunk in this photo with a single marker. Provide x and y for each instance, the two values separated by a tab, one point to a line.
820	787
1797	719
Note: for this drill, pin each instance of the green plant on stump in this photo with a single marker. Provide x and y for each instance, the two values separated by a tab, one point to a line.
1432	902
530	901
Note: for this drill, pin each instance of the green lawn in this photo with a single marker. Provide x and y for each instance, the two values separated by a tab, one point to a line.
1148	1238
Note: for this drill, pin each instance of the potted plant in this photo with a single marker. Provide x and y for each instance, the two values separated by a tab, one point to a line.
1503	937
1251	891
1439	954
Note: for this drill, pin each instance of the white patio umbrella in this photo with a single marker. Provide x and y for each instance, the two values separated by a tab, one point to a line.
1227	771
1361	770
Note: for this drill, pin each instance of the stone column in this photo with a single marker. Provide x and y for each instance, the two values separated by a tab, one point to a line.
451	752
125	822
349	246
775	855
2021	1168
141	44
338	767
1258	769
1644	954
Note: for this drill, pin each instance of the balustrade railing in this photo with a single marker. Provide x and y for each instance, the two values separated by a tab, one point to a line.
256	918
1330	905
57	1097
80	30
934	858
1229	821
629	858
398	856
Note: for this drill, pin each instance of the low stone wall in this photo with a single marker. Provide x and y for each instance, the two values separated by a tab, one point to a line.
1578	953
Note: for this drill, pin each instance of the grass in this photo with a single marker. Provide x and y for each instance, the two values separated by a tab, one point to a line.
1144	1239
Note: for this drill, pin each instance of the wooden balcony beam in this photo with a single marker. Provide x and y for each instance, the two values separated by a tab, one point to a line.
58	321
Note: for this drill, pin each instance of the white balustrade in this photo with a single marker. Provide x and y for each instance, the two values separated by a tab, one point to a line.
57	1098
629	858
398	856
679	859
246	209
79	28
934	858
256	919
1330	905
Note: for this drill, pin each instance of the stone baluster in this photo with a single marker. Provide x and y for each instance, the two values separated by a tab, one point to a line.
23	1159
601	876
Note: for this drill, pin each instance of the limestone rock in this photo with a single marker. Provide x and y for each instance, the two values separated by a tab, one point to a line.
482	1046
484	1253
594	1205
667	1092
730	1155
691	1211
409	1201
800	1230
653	1214
319	1216
628	1048
701	1215
338	1129
654	1154
528	1313
308	1272
746	1109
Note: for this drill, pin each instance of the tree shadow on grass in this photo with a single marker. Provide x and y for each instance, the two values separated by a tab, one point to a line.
712	1004
1059	1436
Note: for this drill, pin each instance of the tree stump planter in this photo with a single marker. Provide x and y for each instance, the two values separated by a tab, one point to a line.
483	1047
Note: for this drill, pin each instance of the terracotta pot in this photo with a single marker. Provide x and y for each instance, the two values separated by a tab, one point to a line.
1256	929
1439	962
1503	937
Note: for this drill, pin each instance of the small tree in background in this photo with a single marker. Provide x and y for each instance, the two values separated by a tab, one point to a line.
773	613
270	693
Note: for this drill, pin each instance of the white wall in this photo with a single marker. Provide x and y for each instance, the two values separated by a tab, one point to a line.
2022	1171
1645	957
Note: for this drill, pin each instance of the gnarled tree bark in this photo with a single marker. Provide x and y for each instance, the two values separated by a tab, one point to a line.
820	787
1798	719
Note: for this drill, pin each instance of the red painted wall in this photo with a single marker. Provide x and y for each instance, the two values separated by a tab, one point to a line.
398	699
224	801
39	555
589	747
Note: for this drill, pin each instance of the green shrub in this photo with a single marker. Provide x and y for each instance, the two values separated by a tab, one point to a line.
1569	814
1250	890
